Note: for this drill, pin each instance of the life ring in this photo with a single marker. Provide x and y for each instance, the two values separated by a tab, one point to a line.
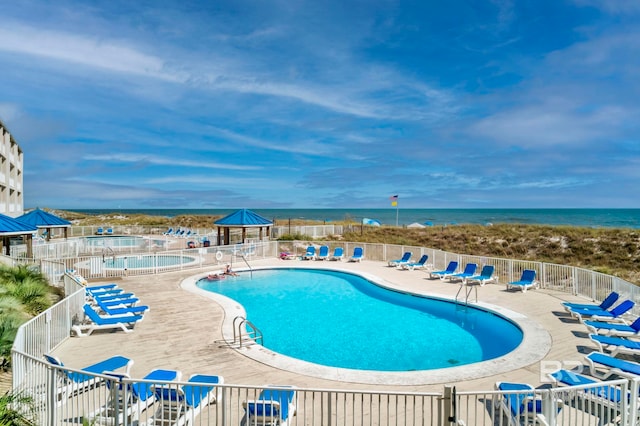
219	255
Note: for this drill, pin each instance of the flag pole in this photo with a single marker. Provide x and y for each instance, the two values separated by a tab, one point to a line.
394	203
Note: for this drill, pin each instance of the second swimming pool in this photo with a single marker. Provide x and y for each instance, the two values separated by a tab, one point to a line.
338	319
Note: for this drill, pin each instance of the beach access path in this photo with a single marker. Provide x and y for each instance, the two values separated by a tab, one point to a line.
182	330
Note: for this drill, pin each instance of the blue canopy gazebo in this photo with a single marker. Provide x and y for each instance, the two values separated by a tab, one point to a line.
11	228
241	219
44	220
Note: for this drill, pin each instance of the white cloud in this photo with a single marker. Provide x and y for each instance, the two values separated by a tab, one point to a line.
83	50
166	161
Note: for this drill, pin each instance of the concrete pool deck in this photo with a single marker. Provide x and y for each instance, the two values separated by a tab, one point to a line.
184	331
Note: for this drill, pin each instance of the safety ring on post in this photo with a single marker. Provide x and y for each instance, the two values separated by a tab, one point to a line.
219	255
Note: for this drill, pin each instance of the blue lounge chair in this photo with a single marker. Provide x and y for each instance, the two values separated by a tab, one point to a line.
118	297
108	322
598	314
125	301
104	293
406	258
602	394
420	264
122	308
468	272
323	253
168	232
451	269
310	253
527	280
338	254
486	276
179	405
73	382
613	365
100	287
132	398
617	345
273	407
606	303
614	328
116	293
358	255
100	231
520	405
109	231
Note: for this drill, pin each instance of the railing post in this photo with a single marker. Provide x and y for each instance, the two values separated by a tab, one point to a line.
549	408
447	407
52	395
634	407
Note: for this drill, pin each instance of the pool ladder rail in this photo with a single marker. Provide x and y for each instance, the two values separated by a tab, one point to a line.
251	332
108	252
467	292
242	255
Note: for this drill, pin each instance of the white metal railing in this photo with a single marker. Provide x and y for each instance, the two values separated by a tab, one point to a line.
277	231
48	330
577	281
55	400
112	264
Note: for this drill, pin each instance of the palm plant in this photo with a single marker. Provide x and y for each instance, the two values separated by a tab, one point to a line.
11	318
24	293
16	410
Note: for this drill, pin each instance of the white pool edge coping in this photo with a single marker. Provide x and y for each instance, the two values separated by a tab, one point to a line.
535	345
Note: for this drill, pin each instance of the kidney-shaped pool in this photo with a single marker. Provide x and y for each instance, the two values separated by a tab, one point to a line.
339	319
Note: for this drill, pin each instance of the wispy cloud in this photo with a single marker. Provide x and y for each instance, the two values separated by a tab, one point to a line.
292	105
82	50
167	161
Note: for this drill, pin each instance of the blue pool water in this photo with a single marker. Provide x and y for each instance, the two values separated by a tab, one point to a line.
342	320
146	261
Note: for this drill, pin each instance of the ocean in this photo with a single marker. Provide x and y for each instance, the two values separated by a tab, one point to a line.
597	218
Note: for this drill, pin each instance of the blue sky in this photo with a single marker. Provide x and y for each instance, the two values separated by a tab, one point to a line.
332	104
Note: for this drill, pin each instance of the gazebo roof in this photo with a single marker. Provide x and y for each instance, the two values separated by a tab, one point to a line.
11	226
243	218
42	219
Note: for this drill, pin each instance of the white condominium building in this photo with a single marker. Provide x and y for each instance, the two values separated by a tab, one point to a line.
11	175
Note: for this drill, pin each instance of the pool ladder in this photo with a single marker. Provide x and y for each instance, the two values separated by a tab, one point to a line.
242	255
108	251
251	331
468	290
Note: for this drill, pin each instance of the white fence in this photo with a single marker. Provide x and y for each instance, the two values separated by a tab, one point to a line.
41	381
313	231
112	399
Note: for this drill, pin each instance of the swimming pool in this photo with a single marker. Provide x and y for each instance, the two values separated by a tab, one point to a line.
332	318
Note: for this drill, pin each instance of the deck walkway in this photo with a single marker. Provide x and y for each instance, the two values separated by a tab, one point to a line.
183	331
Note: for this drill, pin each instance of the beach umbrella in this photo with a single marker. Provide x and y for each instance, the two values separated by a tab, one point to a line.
415	225
428	223
370	222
